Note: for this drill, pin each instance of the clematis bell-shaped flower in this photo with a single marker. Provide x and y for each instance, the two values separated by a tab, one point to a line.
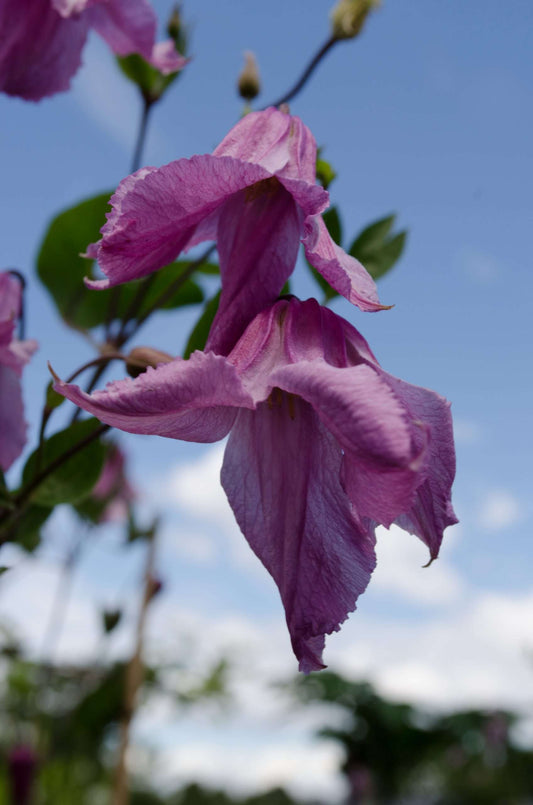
256	196
14	355
42	40
324	445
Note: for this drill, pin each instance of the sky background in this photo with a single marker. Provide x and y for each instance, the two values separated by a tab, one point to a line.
429	115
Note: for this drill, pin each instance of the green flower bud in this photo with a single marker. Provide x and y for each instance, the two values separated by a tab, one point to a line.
348	17
249	85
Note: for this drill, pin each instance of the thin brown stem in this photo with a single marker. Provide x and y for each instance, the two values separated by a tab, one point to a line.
141	135
307	73
133	681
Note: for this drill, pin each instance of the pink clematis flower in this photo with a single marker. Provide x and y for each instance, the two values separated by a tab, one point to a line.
324	445
14	354
42	40
256	196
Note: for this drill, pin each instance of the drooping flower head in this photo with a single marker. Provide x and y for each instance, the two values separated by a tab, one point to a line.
42	40
14	354
256	196
324	445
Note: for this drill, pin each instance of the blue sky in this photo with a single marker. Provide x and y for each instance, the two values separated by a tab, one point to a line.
429	115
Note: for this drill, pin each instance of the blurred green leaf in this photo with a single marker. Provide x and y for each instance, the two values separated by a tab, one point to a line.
198	336
62	270
150	81
111	619
73	479
324	172
28	527
53	399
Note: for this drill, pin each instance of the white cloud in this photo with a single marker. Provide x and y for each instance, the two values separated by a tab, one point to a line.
481	268
500	509
305	769
400	570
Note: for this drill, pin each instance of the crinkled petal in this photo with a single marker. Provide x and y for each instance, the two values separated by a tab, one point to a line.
130	27
432	510
343	272
279	142
281	475
12	423
383	455
155	213
39	50
258	239
193	400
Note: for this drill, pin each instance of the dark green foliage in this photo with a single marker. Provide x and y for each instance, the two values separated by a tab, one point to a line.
73	479
198	336
62	270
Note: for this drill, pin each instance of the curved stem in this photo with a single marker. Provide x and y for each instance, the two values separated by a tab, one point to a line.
307	73
141	135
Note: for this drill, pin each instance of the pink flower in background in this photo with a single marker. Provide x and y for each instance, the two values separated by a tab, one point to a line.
256	196
113	490
22	763
14	354
324	445
42	40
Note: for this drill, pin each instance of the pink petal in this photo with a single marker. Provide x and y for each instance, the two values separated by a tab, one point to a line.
281	475
165	57
279	142
193	400
258	238
432	510
39	50
382	456
155	213
12	423
343	272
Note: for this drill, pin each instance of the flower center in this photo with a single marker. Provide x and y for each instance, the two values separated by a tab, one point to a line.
279	398
266	187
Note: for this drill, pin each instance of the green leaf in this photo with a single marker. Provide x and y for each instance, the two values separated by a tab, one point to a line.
61	270
333	223
324	172
212	269
198	336
53	399
60	267
151	82
372	236
28	527
74	479
376	249
110	619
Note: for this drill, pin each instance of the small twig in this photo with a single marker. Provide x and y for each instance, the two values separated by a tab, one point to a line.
133	681
306	75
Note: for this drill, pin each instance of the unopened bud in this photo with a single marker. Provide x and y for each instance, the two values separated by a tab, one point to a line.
249	84
176	30
348	17
140	358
